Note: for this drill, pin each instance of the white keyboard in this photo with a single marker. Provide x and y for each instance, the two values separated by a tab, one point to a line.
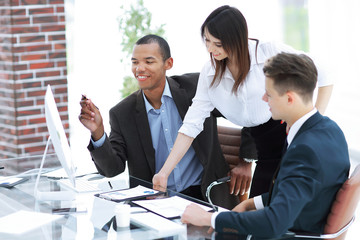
82	186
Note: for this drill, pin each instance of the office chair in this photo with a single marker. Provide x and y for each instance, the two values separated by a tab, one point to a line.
342	211
230	139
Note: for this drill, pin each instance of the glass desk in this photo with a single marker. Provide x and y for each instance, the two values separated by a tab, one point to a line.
76	225
94	223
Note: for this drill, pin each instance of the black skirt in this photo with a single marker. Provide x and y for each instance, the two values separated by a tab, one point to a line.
269	139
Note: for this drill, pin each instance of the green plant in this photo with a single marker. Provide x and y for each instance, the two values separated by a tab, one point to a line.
133	24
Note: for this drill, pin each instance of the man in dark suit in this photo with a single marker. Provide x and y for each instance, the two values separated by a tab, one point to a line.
144	127
313	168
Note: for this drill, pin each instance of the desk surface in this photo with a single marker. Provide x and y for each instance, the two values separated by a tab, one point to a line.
74	225
95	223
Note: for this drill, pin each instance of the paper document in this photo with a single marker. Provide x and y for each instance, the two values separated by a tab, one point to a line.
129	194
24	221
171	207
157	223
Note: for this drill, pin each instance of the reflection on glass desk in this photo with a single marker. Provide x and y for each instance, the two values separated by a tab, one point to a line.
90	217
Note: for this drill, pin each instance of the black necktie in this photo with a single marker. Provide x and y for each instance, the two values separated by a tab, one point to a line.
284	148
276	172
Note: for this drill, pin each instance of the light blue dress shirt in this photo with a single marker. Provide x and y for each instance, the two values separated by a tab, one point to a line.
164	125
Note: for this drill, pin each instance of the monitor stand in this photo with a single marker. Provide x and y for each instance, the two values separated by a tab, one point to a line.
50	196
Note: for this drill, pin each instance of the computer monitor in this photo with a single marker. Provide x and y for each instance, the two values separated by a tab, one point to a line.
58	136
62	150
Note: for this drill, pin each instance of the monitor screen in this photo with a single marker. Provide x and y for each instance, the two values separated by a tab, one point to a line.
58	136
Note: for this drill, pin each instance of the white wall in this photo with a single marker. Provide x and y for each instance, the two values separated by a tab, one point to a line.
335	38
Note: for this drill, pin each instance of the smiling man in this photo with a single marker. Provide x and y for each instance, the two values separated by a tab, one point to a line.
145	124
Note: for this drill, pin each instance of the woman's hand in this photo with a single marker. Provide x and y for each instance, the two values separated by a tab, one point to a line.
160	181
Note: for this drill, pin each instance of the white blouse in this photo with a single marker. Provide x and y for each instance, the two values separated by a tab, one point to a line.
245	109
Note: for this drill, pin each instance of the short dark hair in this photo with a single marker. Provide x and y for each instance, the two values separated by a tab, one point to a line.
292	72
163	45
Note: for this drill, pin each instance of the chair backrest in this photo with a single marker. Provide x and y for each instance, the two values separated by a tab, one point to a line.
230	139
344	206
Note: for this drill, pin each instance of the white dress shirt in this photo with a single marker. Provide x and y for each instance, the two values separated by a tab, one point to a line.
246	108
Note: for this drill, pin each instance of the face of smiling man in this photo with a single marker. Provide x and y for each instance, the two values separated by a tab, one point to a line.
148	66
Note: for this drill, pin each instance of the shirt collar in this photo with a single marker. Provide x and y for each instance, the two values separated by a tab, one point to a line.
297	125
166	92
257	55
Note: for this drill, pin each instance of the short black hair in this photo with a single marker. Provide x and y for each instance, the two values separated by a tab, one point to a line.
163	45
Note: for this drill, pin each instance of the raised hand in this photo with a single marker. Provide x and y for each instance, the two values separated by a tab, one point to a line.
91	118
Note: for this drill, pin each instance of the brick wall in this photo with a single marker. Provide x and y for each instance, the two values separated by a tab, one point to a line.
32	55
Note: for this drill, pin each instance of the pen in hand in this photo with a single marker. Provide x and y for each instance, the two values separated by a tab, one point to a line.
83	97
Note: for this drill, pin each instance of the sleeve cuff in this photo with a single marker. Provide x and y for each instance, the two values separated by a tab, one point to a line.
213	218
249	160
258	202
99	142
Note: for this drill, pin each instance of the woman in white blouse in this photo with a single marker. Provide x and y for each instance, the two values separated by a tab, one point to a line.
233	82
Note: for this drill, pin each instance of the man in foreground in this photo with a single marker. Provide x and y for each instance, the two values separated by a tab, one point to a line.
313	168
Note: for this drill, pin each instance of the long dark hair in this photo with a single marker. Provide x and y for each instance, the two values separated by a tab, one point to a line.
229	25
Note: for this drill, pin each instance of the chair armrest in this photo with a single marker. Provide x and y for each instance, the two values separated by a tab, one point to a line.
325	236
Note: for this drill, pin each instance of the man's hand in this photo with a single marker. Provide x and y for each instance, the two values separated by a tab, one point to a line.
160	181
91	118
195	215
244	206
240	178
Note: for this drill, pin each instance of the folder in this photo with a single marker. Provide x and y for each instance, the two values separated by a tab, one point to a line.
129	194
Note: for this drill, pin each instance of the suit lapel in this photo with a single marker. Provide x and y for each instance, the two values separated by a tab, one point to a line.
314	119
180	97
144	132
307	125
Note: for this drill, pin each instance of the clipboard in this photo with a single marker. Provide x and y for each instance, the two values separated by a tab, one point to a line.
170	208
129	194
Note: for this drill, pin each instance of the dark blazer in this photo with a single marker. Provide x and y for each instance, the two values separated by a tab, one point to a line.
312	170
130	140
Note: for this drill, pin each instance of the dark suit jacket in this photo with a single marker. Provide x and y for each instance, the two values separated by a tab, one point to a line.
312	170
130	140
